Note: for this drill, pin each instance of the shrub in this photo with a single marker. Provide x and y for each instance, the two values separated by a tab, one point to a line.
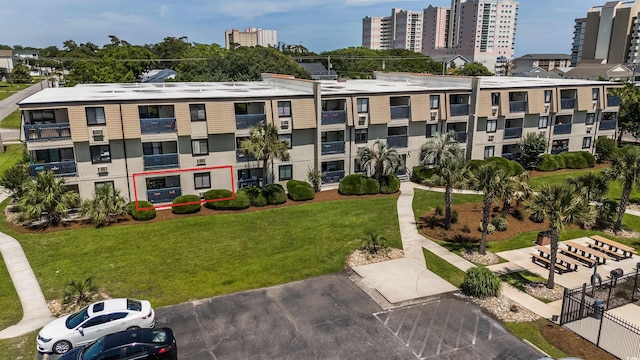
517	213
389	184
256	196
79	292
240	202
275	194
186	209
438	210
516	168
561	161
371	186
358	184
607	213
548	162
431	221
490	228
591	160
215	194
605	148
300	190
573	160
421	173
474	164
314	176
373	243
454	216
141	215
481	282
500	223
466	229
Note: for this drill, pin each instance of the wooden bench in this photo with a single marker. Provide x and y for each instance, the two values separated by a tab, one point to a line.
588	252
563	260
586	260
547	263
627	251
612	254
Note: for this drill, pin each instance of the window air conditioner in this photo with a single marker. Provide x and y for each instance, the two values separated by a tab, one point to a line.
201	161
589	129
284	124
494	111
543	133
102	170
97	132
434	115
490	137
546	108
595	105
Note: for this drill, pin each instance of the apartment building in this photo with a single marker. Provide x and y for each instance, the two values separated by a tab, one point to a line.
545	62
250	37
401	30
157	141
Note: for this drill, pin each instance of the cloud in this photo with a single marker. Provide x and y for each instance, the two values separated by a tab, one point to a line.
164	10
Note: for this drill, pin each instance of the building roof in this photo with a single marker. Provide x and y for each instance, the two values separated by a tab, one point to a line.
545	56
592	70
533	71
6	53
158	76
317	69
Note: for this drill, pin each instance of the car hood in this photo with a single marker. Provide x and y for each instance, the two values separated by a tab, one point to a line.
54	329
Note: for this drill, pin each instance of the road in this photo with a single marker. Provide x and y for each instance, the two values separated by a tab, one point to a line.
10	104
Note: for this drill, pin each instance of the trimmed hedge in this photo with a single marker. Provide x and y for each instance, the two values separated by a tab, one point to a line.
358	184
141	215
566	160
300	190
389	184
215	194
275	194
511	167
548	162
186	209
256	196
591	160
573	160
421	173
240	202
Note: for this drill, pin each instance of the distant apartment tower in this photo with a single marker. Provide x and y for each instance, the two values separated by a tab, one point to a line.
250	37
609	34
401	30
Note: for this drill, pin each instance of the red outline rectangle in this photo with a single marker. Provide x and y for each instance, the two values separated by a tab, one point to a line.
157	172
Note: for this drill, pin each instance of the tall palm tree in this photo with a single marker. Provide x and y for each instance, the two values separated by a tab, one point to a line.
264	145
625	169
518	189
106	207
491	180
47	196
450	174
562	205
379	159
593	186
441	147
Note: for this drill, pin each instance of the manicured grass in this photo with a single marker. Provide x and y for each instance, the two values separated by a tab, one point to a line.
23	347
521	278
443	269
531	332
12	121
202	256
424	200
555	178
10	157
11	310
7	89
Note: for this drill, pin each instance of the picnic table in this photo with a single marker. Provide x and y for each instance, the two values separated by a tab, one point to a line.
563	263
586	254
612	248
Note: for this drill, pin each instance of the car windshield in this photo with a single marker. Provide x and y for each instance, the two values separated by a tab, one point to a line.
76	319
92	351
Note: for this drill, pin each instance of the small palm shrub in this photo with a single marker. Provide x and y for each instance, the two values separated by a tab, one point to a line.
606	213
240	202
256	196
431	221
438	210
500	223
275	194
186	209
79	292
389	184
481	282
421	173
490	228
454	216
300	190
466	229
141	215
215	194
314	176
373	243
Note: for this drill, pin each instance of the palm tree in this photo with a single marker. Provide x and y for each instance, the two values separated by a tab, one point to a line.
491	180
106	207
442	146
562	205
379	159
264	145
79	292
592	185
47	196
450	174
518	189
625	168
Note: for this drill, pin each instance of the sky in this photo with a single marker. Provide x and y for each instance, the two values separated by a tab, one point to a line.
544	26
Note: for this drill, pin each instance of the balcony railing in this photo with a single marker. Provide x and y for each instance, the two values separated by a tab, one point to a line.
40	132
333	147
608	125
461	136
332	177
400	112
562	129
567	103
163	195
512	133
398	141
162	161
517	106
247	121
161	125
613	101
245	183
65	168
241	156
333	117
459	109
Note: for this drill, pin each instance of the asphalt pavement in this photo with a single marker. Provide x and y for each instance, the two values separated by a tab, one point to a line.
10	104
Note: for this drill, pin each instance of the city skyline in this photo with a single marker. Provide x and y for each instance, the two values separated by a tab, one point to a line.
544	26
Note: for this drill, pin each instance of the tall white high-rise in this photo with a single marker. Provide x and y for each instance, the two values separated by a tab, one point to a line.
401	30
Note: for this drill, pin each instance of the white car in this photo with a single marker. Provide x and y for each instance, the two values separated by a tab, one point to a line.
94	321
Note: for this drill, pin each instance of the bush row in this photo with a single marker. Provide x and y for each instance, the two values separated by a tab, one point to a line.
359	184
566	160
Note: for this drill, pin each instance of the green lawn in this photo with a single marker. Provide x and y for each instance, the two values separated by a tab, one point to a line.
425	200
11	309
7	89
531	332
443	269
10	157
20	348
12	121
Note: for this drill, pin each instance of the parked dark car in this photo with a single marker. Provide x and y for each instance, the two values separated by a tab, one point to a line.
138	344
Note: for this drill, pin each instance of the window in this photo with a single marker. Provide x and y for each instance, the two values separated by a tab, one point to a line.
586	142
489	151
284	108
591	118
363	105
202	180
362	136
197	112
434	101
492	125
98	320
357	166
99	184
100	154
199	147
285	172
547	96
595	92
42	116
95	115
286	137
117	316
432	129
543	122
362	120
495	99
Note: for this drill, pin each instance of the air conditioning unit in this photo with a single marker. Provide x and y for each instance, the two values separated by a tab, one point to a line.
103	170
434	115
97	132
543	133
595	105
201	161
494	111
362	120
589	129
490	137
201	194
284	124
546	108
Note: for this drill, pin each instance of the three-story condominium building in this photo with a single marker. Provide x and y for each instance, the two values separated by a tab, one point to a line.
157	141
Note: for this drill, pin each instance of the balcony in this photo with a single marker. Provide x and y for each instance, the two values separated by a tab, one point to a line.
247	121
66	168
253	182
568	104
613	101
333	117
163	195
512	133
41	132
518	106
459	109
562	129
332	147
162	161
398	141
558	150
241	156
461	136
608	125
332	177
155	126
400	112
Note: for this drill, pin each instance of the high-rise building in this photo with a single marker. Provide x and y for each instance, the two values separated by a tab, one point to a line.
401	30
250	37
609	34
